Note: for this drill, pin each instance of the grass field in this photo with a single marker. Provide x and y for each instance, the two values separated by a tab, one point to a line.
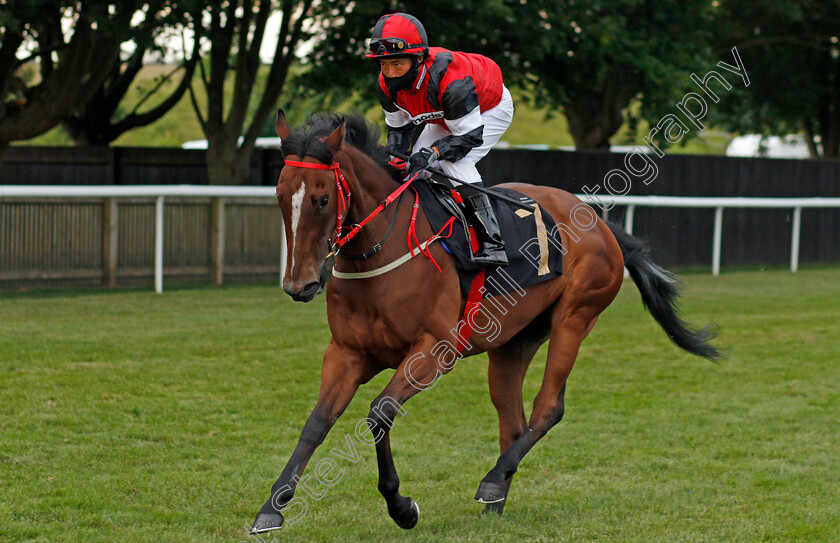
128	416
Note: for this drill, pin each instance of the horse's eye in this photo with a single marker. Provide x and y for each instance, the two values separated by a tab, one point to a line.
322	203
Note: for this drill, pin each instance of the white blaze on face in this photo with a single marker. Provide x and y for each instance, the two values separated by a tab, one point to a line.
297	202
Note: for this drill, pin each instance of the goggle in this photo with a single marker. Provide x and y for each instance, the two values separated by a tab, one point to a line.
390	46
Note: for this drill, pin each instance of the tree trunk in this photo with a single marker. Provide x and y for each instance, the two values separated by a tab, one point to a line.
83	67
830	135
235	39
588	131
831	147
831	132
810	139
227	165
592	122
78	131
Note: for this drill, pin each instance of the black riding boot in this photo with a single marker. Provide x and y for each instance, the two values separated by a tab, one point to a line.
492	252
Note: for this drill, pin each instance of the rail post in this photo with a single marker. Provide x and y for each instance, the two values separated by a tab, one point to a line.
628	227
217	240
716	241
794	239
110	240
159	244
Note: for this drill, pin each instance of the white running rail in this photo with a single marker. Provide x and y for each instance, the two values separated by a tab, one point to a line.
160	192
719	204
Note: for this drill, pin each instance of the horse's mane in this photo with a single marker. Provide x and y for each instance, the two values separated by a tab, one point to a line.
308	140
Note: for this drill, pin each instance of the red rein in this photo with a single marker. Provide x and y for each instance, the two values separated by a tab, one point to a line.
343	193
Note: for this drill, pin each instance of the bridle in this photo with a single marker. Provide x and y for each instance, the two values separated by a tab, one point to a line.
343	191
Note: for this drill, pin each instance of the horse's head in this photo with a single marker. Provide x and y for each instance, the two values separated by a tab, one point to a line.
309	200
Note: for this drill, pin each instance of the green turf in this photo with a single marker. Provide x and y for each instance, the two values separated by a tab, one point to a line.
128	416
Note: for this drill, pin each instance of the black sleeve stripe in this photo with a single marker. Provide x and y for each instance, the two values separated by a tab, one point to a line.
437	70
454	148
400	138
385	100
405	129
459	98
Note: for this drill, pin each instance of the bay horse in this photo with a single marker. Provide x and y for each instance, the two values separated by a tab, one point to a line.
336	175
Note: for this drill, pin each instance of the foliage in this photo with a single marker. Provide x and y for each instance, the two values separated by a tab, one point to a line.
588	59
791	50
337	63
108	114
180	124
73	45
234	35
128	416
489	27
596	66
531	125
600	56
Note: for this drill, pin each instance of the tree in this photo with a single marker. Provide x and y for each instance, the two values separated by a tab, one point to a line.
336	67
103	118
71	64
234	32
589	60
792	51
601	56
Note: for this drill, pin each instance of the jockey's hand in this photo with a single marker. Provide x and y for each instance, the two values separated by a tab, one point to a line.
420	160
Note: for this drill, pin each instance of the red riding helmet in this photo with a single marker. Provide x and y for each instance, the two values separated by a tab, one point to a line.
398	35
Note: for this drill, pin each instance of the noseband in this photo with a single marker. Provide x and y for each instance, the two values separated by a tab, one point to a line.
342	190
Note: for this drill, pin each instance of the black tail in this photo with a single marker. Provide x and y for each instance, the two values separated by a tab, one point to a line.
660	292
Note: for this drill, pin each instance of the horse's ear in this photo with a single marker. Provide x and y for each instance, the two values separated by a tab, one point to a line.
280	125
336	139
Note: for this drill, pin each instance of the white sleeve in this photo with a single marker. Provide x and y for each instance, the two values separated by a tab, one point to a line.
396	119
465	124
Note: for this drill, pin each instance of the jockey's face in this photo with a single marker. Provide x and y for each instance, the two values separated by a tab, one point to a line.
394	67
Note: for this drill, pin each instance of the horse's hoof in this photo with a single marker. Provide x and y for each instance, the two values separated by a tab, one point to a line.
409	519
490	492
266	522
494	509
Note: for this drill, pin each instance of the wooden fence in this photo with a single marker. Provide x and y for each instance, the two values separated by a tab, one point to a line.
683	237
22	165
111	241
52	242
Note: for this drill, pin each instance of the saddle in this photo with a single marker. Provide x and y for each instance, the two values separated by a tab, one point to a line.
532	243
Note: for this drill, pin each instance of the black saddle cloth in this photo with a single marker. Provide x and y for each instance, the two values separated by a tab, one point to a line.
531	242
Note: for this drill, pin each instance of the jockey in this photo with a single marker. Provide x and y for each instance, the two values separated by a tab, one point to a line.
461	99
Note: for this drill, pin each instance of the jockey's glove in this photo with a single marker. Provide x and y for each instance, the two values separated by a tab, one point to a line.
420	160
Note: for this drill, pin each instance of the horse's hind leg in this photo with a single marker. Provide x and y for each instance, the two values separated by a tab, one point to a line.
568	329
506	372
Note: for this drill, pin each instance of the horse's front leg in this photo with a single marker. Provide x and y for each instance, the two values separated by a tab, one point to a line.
419	371
342	372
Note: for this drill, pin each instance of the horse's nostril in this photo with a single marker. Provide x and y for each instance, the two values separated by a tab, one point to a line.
310	289
305	294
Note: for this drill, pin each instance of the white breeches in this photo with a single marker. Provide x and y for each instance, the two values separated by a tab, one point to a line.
496	121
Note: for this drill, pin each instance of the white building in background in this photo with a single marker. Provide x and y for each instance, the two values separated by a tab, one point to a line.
756	145
750	145
266	143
